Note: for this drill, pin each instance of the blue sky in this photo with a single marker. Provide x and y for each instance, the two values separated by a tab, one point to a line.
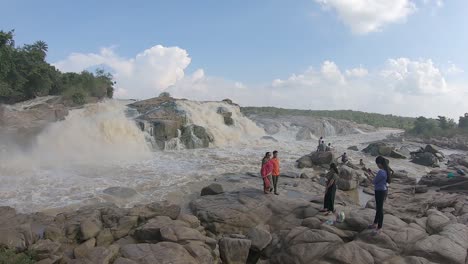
246	45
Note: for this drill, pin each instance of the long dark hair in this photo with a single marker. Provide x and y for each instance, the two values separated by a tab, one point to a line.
334	168
385	164
265	159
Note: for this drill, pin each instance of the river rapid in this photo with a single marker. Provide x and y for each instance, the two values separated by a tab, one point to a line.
100	146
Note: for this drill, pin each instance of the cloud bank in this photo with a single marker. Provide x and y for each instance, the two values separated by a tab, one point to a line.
400	85
365	16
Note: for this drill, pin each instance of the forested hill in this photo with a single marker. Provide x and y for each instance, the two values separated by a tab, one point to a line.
377	120
25	74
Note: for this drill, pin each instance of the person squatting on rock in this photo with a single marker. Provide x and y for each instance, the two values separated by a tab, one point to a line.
380	186
276	171
344	158
266	172
330	190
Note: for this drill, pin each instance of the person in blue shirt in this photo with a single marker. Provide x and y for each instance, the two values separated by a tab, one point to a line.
380	186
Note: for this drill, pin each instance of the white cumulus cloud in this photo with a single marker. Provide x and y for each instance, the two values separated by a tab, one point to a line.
145	75
357	72
364	16
414	77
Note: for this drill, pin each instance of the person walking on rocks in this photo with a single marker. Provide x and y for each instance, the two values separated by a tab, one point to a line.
276	171
266	171
319	143
330	191
380	187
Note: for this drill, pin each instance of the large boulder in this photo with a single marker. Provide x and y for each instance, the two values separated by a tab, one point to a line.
227	115
163	252
164	130
436	221
397	155
304	245
151	231
348	178
194	136
315	158
425	159
353	148
440	249
260	238
212	189
378	148
234	250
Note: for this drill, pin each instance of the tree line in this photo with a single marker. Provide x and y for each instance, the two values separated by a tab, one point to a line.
442	126
25	74
373	119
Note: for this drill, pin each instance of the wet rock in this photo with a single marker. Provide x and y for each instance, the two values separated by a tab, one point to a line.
259	237
441	180
304	176
163	252
432	149
233	250
353	148
397	155
194	136
420	189
212	189
227	116
425	159
164	130
120	192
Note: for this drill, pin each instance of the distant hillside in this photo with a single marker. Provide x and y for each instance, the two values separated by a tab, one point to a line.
377	120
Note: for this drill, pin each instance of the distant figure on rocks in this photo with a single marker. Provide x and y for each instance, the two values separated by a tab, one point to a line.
322	146
276	171
344	158
380	187
328	147
330	190
266	171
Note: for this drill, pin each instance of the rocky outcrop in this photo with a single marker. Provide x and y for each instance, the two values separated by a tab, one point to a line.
348	178
194	136
425	159
353	148
379	148
315	159
212	189
227	115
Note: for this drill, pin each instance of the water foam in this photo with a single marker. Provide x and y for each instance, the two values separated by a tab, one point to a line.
205	114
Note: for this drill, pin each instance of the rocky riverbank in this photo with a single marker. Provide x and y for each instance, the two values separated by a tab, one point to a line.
234	222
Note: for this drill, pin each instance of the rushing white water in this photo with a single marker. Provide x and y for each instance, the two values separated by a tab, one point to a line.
205	114
98	147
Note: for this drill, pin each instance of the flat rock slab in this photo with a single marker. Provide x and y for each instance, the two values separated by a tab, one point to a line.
120	192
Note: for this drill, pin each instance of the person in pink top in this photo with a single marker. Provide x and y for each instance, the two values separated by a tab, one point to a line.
266	172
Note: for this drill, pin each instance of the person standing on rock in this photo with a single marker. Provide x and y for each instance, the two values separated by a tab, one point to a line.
266	171
319	143
380	187
330	191
276	171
